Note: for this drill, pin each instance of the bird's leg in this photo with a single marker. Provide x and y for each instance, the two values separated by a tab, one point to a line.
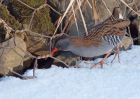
117	51
103	60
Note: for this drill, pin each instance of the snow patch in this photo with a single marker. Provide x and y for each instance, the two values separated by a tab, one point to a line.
114	81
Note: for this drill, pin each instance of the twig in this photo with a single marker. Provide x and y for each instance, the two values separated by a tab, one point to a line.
46	56
130	7
95	14
30	23
89	3
53	9
107	7
69	20
38	34
83	20
35	66
68	8
75	21
26	4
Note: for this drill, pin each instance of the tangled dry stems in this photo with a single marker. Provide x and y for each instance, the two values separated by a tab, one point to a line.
70	10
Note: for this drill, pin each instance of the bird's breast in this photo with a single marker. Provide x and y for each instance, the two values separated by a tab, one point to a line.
92	50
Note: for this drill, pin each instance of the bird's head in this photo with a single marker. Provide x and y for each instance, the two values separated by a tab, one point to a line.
61	45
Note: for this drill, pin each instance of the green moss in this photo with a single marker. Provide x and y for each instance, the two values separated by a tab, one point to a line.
41	22
34	3
10	20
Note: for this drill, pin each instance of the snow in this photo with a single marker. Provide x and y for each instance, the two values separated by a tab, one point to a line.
115	81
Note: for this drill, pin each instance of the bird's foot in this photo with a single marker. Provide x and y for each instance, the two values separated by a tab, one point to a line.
117	53
100	63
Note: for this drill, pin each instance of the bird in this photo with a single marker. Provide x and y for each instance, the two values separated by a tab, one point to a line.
102	39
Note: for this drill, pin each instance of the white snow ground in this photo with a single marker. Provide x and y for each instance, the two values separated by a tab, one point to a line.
114	81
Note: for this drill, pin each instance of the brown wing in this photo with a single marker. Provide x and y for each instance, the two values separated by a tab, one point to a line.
118	28
115	31
101	29
85	42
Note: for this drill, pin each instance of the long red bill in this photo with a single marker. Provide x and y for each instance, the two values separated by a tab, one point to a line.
54	50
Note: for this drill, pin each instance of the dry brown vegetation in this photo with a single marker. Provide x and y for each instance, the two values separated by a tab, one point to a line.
26	29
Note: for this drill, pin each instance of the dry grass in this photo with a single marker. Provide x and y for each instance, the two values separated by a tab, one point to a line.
73	7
